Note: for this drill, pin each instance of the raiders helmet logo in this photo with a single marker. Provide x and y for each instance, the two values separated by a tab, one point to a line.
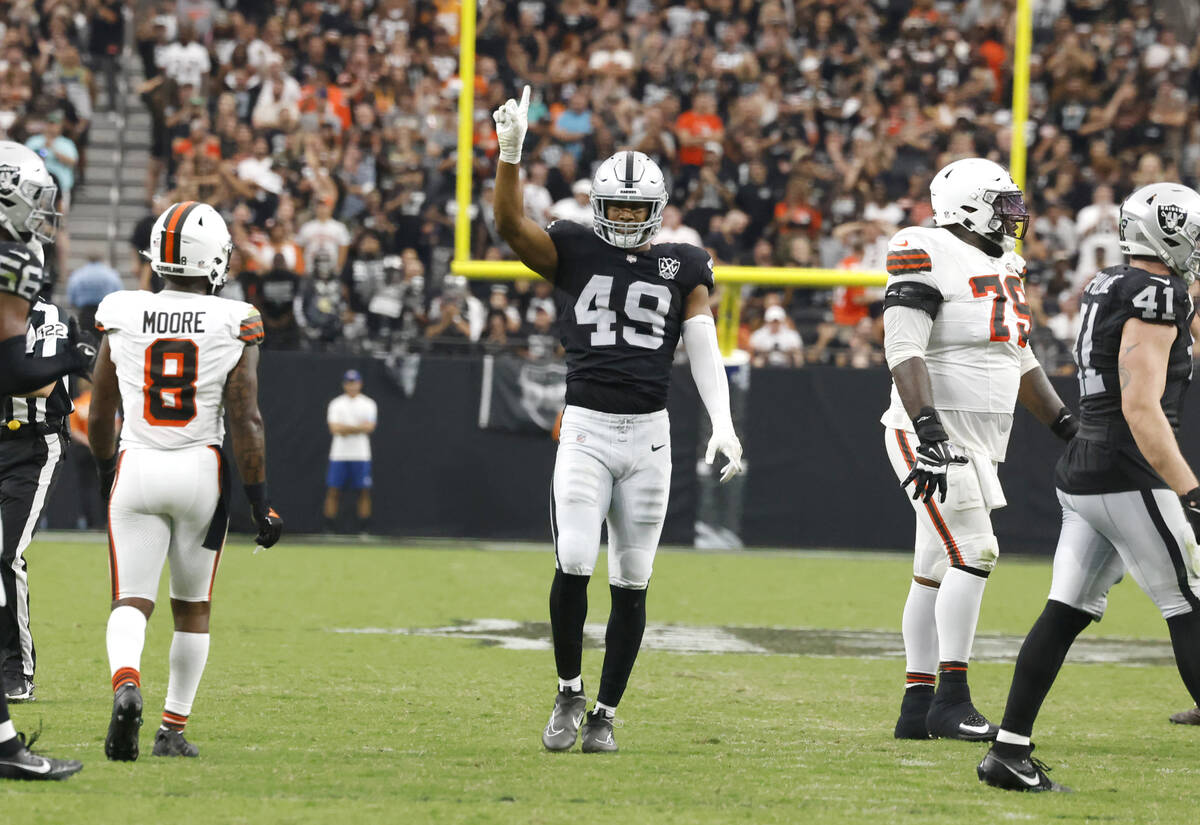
668	268
1170	218
10	176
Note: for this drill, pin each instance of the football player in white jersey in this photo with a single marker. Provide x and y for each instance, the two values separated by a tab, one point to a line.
956	330
174	361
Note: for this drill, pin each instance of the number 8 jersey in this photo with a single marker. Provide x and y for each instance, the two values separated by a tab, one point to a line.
623	318
173	352
978	345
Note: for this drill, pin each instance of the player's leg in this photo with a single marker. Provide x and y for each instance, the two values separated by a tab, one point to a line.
635	522
919	629
193	570
1086	566
579	498
138	537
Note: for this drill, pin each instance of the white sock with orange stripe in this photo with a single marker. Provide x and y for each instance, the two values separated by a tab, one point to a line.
919	628
125	637
189	654
957	613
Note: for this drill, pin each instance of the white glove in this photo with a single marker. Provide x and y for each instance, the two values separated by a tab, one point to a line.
725	442
512	121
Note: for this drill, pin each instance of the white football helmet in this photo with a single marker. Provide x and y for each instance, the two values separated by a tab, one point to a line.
27	195
1162	221
628	177
982	196
190	239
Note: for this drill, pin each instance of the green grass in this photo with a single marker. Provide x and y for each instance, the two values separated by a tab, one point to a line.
298	724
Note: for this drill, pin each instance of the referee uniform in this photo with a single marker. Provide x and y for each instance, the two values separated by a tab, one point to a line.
33	440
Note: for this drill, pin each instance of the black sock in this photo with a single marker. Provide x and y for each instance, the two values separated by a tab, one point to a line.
1185	639
1041	656
21	374
626	623
13	745
568	610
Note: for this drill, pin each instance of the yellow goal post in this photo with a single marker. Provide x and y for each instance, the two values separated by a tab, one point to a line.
729	312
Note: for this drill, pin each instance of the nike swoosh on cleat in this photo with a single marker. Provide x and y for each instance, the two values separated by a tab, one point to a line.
965	728
1033	783
42	767
578	720
550	731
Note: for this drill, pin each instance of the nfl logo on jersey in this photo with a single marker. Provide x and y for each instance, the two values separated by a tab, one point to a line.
668	268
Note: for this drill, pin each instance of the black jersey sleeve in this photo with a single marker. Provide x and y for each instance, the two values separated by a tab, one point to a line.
1155	299
697	266
20	272
572	241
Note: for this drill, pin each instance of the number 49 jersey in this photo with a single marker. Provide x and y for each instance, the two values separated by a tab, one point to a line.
978	346
623	318
173	352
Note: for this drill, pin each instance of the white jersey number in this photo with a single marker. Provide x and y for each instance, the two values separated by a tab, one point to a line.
592	307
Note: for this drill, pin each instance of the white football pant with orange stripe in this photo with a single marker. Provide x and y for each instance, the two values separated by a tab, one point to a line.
162	505
957	531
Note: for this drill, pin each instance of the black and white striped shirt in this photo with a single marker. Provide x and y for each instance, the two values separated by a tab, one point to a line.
47	332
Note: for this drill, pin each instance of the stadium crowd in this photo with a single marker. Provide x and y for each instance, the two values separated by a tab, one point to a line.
794	134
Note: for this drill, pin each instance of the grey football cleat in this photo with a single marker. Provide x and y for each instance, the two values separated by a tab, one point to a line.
25	764
121	744
1191	716
563	727
598	734
169	742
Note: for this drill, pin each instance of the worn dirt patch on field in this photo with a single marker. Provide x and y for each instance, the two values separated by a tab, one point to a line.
795	641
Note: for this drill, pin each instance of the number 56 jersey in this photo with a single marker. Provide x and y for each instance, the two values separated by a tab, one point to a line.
173	352
978	345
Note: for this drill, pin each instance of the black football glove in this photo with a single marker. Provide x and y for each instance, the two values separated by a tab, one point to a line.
269	523
1191	508
934	456
83	349
107	469
1065	425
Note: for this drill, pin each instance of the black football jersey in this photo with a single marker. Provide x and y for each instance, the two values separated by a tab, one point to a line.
1104	457
620	313
21	273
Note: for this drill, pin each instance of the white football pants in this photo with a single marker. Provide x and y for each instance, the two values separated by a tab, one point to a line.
162	505
615	468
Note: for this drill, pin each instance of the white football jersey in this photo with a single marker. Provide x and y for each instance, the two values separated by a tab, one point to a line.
173	352
978	347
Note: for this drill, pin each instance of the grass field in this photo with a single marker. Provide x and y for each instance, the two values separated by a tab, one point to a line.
298	723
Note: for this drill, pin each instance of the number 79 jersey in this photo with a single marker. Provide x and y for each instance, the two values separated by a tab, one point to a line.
173	352
623	317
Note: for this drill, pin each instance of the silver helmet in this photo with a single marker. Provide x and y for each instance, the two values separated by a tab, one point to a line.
1162	221
628	177
27	195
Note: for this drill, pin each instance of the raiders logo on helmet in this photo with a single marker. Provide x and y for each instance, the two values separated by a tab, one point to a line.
1170	218
10	176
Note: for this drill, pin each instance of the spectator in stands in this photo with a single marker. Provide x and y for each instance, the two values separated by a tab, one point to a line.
106	39
324	234
60	155
321	304
578	207
276	295
694	128
87	286
775	343
184	60
673	229
574	124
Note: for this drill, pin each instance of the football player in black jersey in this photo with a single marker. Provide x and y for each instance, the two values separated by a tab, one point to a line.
626	305
1130	501
27	219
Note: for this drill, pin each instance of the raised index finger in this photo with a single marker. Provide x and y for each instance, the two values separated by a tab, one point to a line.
525	99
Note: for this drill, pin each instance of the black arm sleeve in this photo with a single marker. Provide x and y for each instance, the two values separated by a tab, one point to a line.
914	295
21	374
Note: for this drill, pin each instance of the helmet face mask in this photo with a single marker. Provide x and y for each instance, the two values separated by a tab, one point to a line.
27	195
631	181
1011	217
982	197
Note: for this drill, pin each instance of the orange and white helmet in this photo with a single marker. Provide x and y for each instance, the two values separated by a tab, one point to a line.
190	240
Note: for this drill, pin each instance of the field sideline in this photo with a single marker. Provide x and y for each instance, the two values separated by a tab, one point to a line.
298	723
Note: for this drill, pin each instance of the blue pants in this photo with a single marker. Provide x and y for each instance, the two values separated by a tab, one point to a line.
353	474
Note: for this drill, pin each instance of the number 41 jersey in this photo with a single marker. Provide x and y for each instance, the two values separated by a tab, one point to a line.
623	318
173	352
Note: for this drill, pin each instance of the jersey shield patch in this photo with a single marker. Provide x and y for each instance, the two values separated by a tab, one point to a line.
668	268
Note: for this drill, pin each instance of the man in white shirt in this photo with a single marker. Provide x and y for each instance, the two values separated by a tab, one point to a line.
775	343
351	419
185	61
675	231
325	234
578	207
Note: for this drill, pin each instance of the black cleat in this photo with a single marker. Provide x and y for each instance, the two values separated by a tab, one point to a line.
1191	716
121	744
913	710
19	689
1016	773
562	730
959	720
25	764
170	742
597	734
